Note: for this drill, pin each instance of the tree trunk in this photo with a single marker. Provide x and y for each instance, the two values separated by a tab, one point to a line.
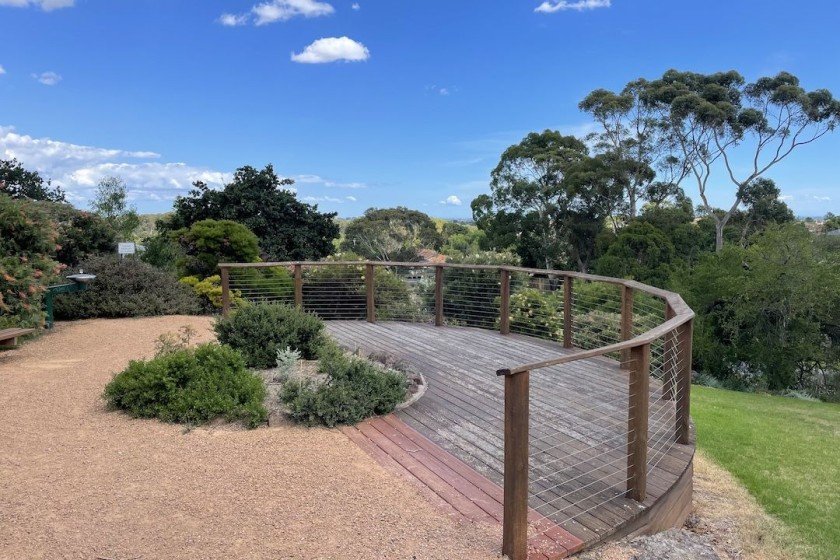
719	235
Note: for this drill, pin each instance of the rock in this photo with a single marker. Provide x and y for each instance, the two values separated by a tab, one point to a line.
674	544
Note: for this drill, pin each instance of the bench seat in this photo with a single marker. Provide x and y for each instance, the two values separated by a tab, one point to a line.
8	337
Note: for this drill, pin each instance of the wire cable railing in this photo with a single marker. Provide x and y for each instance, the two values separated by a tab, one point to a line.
588	462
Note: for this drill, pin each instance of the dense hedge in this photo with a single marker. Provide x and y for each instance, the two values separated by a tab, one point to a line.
127	288
259	330
191	386
27	239
355	389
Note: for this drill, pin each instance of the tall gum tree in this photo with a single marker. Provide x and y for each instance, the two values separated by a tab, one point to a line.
632	140
721	125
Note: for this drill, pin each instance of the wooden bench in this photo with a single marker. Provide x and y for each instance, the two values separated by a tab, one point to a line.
8	337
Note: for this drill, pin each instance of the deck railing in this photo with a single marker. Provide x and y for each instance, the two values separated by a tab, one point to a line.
645	331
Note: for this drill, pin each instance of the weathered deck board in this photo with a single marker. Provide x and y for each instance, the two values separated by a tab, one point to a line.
578	410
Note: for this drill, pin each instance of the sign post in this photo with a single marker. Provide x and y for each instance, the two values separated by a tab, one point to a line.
126	248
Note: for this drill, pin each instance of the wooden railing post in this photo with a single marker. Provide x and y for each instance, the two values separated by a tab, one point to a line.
438	296
225	274
298	286
371	303
683	380
504	308
626	322
670	358
637	422
567	311
515	523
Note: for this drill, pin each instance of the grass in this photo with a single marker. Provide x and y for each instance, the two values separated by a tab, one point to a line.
785	451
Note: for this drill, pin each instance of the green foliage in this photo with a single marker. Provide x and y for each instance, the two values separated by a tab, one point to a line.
27	239
831	222
259	330
18	183
461	244
468	294
162	252
707	117
80	234
641	252
111	203
191	386
287	228
355	389
549	201
391	234
767	313
126	287
209	291
207	243
536	312
785	452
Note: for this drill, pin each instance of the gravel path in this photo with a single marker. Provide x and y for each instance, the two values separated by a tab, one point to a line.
77	481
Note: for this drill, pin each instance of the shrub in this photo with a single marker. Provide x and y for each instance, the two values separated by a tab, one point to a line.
27	238
209	242
537	313
80	234
355	389
259	330
191	386
162	252
287	360
209	291
126	288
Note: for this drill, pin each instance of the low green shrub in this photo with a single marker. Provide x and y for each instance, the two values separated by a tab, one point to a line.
191	386
259	330
127	288
355	389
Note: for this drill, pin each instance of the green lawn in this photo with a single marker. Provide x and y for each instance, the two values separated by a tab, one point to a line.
785	451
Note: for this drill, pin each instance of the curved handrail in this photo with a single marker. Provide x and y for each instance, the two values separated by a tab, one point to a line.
682	313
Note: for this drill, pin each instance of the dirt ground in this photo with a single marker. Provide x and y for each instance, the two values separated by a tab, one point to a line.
77	481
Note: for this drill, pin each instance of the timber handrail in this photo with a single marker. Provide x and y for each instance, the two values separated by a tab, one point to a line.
671	335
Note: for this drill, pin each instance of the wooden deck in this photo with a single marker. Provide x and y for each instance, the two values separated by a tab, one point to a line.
578	429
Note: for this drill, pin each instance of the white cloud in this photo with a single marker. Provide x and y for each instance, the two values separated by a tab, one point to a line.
318	180
355	6
786	197
233	20
351	198
451	200
823	198
277	10
316	199
47	78
2	70
78	168
549	7
332	49
46	5
282	10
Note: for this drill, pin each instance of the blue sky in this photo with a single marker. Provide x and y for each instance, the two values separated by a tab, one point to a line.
162	92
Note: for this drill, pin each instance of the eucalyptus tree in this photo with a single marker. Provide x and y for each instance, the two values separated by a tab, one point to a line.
727	129
631	137
549	199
